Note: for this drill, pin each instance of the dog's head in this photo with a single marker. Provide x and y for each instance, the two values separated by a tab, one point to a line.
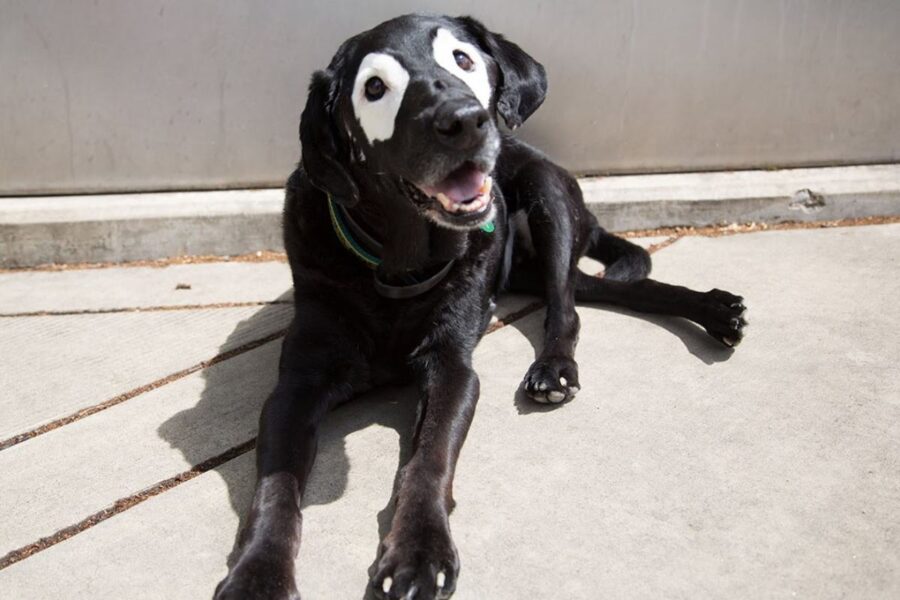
416	100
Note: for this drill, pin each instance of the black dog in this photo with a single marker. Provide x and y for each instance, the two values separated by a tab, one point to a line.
410	212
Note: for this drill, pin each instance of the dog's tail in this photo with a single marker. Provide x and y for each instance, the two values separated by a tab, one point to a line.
623	260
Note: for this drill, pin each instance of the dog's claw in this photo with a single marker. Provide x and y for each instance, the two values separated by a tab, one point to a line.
738	322
727	317
417	563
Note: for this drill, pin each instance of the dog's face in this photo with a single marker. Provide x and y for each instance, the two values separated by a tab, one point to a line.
415	101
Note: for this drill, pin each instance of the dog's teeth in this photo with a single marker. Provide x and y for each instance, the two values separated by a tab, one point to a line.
447	203
386	585
441	579
473	205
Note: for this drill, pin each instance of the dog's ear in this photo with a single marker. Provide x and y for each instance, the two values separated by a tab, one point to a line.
321	152
523	82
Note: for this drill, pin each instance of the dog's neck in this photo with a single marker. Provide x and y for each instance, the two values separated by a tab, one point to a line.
410	242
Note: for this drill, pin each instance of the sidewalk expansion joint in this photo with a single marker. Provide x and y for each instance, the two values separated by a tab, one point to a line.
156	263
133	309
124	504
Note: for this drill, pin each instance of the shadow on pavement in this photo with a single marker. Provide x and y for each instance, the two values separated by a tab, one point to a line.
694	338
251	376
217	415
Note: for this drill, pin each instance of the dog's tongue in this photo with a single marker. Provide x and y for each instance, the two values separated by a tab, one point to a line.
462	184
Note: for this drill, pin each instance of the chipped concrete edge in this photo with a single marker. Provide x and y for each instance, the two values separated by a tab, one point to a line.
126	227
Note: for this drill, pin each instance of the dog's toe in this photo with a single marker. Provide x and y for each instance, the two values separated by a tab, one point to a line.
726	317
539	397
552	380
555	397
420	564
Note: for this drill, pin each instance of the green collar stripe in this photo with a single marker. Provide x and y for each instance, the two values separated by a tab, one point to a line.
340	228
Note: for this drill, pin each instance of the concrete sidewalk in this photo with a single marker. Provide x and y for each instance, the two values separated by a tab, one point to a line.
129	399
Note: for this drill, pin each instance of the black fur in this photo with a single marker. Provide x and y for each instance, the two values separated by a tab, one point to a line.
346	338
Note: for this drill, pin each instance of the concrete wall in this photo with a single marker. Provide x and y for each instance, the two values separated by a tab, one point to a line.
113	95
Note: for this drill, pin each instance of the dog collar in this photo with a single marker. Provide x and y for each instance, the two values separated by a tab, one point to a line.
349	232
340	220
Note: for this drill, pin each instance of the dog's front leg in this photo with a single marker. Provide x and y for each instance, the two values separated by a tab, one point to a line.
419	559
317	366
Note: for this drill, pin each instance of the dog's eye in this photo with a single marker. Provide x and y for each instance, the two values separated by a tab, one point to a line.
375	89
463	61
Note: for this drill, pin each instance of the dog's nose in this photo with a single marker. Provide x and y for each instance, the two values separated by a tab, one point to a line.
461	124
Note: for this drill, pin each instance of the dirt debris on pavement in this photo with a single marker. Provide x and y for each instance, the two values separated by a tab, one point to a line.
272	256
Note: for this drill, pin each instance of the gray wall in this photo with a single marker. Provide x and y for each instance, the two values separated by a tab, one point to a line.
122	95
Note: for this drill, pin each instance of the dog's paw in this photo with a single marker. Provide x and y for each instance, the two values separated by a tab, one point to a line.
552	380
726	317
258	578
420	564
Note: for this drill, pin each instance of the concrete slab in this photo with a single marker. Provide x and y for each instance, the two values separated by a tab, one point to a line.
56	479
63	476
171	574
347	535
129	287
53	366
681	470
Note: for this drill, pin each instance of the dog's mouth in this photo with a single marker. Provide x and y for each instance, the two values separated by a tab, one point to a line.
461	199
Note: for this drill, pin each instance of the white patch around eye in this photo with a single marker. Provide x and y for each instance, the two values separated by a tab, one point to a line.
376	117
445	43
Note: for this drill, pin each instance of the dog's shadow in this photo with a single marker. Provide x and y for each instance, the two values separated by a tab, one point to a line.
231	400
696	341
235	389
